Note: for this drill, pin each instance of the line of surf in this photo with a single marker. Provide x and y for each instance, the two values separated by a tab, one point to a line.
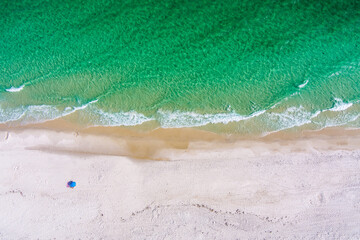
38	113
270	119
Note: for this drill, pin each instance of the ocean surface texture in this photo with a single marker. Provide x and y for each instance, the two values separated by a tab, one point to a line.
228	66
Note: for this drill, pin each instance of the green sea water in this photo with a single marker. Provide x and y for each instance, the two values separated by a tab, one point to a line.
230	66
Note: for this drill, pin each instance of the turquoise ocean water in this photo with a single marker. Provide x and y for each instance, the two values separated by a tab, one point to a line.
228	66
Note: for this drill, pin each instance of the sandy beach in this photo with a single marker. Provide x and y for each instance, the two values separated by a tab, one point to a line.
179	120
177	184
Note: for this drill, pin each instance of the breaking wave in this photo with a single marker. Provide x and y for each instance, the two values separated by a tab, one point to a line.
15	89
179	119
276	118
339	105
37	113
132	118
304	84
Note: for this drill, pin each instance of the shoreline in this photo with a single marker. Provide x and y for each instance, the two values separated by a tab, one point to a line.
185	133
141	143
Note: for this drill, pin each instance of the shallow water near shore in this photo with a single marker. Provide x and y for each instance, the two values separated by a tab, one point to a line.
245	67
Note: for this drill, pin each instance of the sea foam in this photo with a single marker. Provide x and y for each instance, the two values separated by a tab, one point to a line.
15	89
304	84
340	105
289	118
38	113
9	115
271	120
131	118
177	119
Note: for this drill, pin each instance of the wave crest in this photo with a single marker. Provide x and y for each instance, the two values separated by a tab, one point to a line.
339	105
274	119
15	89
132	118
304	84
177	119
37	113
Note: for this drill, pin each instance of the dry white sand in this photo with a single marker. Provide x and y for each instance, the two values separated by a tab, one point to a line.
301	189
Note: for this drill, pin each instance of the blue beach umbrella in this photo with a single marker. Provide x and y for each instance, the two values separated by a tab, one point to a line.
71	184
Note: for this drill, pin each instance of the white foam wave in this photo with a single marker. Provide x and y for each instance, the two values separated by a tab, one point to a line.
29	114
86	105
93	101
304	84
268	121
338	115
177	119
15	89
316	114
335	74
10	115
37	113
41	113
291	117
131	118
340	105
340	120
